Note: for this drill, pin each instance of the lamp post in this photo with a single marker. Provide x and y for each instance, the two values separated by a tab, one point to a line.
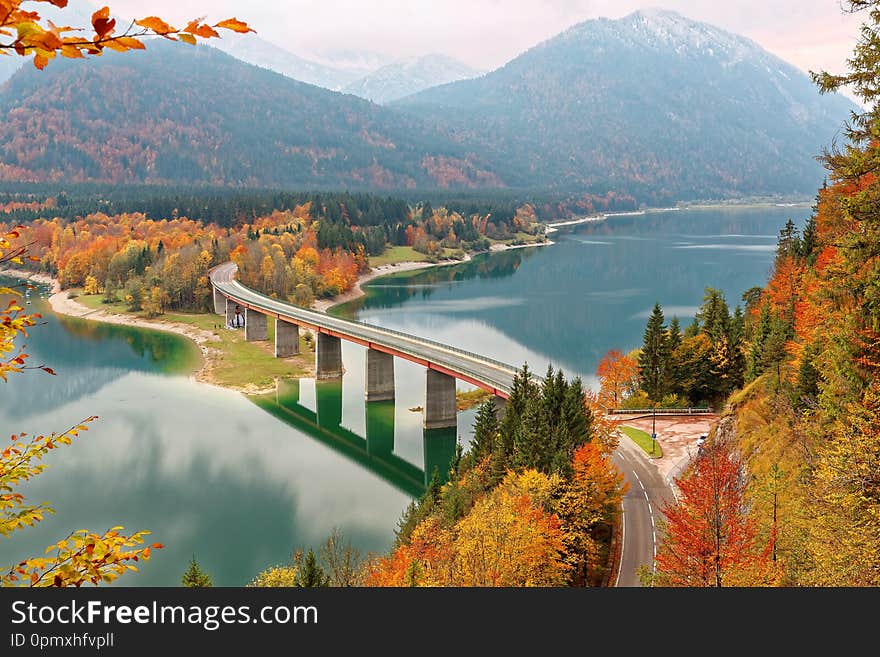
653	426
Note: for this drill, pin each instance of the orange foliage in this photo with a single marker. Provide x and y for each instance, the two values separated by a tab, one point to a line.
618	376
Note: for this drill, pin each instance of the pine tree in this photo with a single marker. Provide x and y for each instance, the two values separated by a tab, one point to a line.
756	362
714	315
485	430
654	357
522	389
309	574
195	577
737	356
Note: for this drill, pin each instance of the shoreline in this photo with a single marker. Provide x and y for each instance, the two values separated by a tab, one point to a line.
324	305
553	227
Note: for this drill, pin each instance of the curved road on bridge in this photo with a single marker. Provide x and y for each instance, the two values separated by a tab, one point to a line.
486	373
647	488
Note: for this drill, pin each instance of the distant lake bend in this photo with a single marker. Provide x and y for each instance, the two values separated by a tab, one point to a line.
591	291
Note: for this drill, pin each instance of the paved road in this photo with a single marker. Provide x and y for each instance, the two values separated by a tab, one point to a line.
641	511
487	373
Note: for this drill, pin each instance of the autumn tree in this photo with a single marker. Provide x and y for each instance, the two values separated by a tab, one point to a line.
618	377
710	540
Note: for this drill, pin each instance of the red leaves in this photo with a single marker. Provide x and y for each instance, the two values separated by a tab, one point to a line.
102	23
49	370
709	534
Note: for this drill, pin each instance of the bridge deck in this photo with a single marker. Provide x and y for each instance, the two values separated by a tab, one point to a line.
486	373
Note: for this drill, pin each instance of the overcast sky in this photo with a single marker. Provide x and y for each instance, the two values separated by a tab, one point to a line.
811	34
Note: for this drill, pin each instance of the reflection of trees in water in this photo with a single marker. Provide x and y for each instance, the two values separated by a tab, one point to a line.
393	290
154	349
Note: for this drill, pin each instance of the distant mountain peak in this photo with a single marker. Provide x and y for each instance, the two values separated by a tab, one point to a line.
408	76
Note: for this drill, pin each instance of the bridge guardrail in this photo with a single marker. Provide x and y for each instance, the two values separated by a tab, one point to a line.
660	411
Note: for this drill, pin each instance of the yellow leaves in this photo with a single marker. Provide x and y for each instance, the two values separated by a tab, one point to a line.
188	38
83	557
131	43
41	60
235	25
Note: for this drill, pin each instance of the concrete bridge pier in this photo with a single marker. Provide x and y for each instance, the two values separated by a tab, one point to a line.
219	302
256	325
286	339
380	376
230	312
328	357
439	400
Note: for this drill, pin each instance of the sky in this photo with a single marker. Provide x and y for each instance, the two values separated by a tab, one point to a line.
811	34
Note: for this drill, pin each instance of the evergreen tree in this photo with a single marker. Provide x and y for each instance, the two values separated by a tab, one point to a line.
807	387
737	356
485	430
714	315
195	577
808	241
674	334
309	573
522	389
654	357
756	363
789	242
532	440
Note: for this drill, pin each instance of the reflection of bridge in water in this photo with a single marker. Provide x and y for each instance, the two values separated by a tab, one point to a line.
375	451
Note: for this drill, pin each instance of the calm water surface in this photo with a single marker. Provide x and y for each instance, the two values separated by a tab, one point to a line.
592	291
241	482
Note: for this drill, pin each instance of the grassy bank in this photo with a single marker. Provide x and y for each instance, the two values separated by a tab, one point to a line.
236	363
644	441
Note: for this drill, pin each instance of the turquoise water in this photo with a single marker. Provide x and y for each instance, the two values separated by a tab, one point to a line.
591	291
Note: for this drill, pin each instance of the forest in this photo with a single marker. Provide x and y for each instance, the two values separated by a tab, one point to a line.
308	245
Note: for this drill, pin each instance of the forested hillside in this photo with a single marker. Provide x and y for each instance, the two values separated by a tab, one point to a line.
654	104
176	114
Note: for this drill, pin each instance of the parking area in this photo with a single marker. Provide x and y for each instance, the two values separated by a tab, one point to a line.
677	437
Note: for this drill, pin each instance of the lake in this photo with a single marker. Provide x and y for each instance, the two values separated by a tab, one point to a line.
240	483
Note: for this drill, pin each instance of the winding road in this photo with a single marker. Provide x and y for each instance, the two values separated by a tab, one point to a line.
648	491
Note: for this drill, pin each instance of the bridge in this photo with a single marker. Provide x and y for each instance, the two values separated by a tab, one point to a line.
444	363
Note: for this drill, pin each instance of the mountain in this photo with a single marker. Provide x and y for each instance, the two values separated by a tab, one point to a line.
654	103
183	114
259	52
410	76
